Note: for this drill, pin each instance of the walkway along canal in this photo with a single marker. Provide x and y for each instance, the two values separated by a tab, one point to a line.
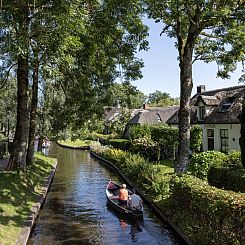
75	210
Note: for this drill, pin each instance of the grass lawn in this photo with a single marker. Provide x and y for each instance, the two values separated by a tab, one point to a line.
19	191
75	143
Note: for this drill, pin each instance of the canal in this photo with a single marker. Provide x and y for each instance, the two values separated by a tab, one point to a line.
75	210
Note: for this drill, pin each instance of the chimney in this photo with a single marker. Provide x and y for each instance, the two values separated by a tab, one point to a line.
146	106
201	88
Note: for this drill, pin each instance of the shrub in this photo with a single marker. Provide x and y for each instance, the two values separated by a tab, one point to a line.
217	176
236	180
196	138
234	160
220	213
201	162
226	178
122	144
138	131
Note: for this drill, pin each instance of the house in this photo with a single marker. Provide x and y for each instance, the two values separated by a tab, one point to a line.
151	116
217	112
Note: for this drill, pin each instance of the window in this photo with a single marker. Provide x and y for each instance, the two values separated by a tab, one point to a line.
227	104
224	140
210	134
202	112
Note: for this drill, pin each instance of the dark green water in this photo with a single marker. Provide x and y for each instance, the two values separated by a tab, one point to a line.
75	210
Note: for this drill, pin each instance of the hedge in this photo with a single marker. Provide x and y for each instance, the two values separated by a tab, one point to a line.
226	178
122	144
221	213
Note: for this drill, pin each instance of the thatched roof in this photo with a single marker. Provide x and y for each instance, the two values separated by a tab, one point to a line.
154	115
226	106
207	100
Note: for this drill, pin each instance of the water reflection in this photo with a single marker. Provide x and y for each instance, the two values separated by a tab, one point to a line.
75	211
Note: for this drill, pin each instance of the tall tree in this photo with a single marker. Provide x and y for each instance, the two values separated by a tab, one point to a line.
17	21
33	109
126	95
208	30
159	98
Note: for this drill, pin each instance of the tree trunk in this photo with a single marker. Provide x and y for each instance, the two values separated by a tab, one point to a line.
242	138
18	154
184	111
33	112
40	142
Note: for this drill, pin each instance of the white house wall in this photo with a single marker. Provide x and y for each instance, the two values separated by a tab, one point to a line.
233	135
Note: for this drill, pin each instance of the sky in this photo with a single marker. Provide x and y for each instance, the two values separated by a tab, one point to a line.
161	70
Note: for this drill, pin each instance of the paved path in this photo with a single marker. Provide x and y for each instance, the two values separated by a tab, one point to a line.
4	163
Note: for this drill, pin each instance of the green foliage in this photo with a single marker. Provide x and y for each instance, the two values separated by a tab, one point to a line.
121	144
19	191
201	162
196	138
206	30
126	95
162	99
226	178
229	175
220	213
145	147
154	142
206	214
139	131
234	159
118	124
164	135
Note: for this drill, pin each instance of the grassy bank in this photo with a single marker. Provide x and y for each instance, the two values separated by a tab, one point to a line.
19	191
75	143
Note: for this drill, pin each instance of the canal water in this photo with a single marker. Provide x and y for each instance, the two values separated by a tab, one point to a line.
75	211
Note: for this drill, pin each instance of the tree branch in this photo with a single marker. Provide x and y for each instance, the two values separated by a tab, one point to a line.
164	29
7	76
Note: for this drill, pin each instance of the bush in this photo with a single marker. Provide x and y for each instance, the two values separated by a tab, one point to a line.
217	176
201	162
196	138
122	144
220	213
226	178
138	131
234	160
236	180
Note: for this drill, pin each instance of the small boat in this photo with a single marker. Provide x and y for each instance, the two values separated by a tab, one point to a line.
112	194
46	144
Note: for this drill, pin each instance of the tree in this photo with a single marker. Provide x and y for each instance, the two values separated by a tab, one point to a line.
207	30
81	45
242	138
159	98
126	95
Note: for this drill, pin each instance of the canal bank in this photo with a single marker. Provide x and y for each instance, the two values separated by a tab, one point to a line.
28	224
146	200
76	212
21	196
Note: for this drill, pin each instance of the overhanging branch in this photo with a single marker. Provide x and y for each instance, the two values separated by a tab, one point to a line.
7	76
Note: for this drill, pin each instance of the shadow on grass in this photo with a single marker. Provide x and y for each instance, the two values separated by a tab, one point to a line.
18	192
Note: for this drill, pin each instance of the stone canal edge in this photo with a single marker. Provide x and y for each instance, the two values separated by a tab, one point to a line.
146	200
28	224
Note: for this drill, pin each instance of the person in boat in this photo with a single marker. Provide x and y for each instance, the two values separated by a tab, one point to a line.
135	202
123	195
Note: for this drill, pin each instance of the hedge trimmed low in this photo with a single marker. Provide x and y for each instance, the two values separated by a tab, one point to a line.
227	178
220	213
